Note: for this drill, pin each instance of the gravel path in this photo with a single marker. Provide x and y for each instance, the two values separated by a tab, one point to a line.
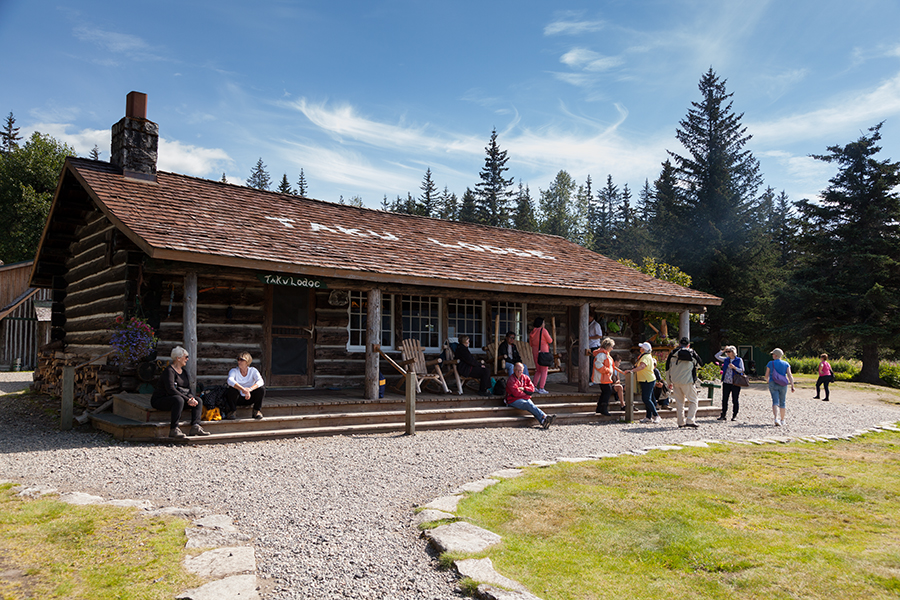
332	517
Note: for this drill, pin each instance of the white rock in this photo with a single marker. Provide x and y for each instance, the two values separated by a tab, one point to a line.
482	571
445	503
474	487
430	515
507	473
462	537
222	562
239	587
80	498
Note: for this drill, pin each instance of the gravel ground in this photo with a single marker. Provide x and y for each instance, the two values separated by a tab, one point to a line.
332	517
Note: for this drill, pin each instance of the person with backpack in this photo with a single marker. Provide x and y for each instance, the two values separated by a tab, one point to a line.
681	373
731	364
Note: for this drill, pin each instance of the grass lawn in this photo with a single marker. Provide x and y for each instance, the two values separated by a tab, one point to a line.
49	549
777	521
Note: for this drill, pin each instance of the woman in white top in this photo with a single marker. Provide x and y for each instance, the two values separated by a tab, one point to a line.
245	386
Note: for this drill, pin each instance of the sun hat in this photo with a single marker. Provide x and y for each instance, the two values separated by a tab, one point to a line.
777	352
645	346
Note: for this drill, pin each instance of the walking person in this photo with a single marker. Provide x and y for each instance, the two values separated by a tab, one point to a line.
826	376
731	364
539	339
643	368
779	376
681	373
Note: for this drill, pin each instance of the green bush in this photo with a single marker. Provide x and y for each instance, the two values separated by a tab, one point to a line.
710	372
890	373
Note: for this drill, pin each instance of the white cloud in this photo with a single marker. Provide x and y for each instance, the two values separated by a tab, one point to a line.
582	58
573	27
191	160
119	43
82	141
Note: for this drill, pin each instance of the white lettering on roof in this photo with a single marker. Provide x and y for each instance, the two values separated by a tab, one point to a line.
460	245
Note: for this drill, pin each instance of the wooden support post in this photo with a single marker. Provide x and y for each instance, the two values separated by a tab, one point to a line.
190	326
67	407
410	401
584	361
496	342
373	337
629	398
684	325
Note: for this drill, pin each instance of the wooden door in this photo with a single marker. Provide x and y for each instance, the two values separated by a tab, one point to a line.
291	323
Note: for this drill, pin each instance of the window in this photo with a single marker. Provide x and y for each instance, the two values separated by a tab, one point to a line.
466	317
512	318
422	320
359	317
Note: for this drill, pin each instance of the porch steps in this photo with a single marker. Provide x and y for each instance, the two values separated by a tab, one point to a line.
133	419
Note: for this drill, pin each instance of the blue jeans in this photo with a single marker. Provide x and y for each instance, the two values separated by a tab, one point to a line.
528	405
510	366
647	397
779	393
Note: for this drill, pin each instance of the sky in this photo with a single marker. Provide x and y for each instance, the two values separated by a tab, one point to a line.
364	96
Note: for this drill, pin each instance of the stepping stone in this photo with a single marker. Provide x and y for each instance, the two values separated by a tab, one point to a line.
781	439
80	498
476	486
542	463
695	444
430	515
462	537
214	531
221	522
507	473
139	504
489	592
445	503
482	570
604	455
579	459
222	562
238	587
664	448
37	490
176	511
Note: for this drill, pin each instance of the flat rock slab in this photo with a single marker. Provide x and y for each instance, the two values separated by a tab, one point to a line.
80	498
429	515
474	487
542	463
199	537
489	592
482	571
781	439
238	587
577	459
507	473
175	511
139	504
221	522
222	562
664	448
445	503
604	455
694	444
462	537
37	490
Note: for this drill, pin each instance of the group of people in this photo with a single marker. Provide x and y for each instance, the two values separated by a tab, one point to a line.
245	386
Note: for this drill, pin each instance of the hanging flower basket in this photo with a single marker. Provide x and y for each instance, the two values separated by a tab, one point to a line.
132	340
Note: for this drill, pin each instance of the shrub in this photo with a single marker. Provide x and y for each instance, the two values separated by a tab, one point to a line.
711	371
890	373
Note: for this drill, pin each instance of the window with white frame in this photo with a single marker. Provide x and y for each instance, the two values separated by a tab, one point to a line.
421	316
512	318
466	317
359	319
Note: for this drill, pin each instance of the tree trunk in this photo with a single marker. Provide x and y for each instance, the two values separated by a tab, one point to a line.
869	371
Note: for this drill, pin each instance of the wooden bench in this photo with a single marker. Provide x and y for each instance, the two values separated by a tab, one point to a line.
413	362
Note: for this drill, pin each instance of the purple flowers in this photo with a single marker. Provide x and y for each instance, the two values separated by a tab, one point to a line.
132	340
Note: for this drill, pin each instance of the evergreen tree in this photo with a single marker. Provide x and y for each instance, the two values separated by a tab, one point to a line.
468	211
224	179
301	185
524	219
492	192
556	206
285	186
429	200
385	204
846	291
668	209
28	177
448	202
95	153
9	136
718	238
783	227
603	218
259	177
581	213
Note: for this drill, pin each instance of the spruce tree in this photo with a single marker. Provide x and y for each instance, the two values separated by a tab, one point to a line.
285	186
493	192
718	237
846	292
95	153
602	218
429	200
556	207
10	135
301	185
468	211
259	177
448	202
581	213
523	218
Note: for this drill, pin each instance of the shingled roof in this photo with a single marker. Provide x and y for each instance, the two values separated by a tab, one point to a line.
200	221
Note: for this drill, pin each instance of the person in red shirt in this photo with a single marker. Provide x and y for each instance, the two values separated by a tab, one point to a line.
519	389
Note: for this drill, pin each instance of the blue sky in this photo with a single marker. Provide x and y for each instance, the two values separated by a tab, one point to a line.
365	96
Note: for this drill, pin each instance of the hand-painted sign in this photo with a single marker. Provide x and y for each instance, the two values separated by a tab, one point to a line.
291	280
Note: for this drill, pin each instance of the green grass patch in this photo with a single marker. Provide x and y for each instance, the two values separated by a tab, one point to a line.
739	522
50	549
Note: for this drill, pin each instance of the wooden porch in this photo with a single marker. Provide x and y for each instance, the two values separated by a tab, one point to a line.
318	412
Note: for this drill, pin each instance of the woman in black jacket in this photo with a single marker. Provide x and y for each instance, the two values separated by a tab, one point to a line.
469	367
173	392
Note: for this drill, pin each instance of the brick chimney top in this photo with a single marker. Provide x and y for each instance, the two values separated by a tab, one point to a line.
135	140
136	105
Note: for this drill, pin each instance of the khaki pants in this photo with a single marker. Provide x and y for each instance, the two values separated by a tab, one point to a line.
685	394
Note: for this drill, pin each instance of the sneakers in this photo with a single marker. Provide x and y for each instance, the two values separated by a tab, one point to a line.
777	422
723	418
734	418
692	425
548	420
645	420
257	415
197	430
657	419
542	391
176	433
824	399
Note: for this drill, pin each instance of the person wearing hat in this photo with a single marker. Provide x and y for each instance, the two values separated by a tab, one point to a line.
779	376
643	368
681	373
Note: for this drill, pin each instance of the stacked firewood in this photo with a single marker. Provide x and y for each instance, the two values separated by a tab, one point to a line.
94	383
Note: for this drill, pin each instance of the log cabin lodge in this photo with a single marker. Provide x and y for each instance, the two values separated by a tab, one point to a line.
306	286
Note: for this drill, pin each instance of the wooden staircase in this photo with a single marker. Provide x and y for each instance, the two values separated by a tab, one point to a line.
302	413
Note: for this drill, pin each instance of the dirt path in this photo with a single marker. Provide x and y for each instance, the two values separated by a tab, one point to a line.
842	392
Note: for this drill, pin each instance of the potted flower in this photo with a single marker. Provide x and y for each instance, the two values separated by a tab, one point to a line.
132	340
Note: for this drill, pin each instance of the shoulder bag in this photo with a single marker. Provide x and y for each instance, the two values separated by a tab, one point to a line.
544	359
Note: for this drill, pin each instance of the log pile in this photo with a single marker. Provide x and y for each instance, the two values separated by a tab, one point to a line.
94	383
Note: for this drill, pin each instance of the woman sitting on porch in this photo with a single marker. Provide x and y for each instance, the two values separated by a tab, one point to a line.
245	386
469	367
173	393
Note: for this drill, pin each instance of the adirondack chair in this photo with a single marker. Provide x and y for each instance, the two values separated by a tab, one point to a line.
450	362
524	352
413	362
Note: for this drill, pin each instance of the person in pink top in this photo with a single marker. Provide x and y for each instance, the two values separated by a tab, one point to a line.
826	376
539	339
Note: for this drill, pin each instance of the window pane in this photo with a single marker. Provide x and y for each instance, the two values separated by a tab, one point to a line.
465	317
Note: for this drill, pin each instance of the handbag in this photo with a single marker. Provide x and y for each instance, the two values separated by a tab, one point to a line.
741	380
545	359
778	378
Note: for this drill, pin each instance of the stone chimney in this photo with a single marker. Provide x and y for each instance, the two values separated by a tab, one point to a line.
134	140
